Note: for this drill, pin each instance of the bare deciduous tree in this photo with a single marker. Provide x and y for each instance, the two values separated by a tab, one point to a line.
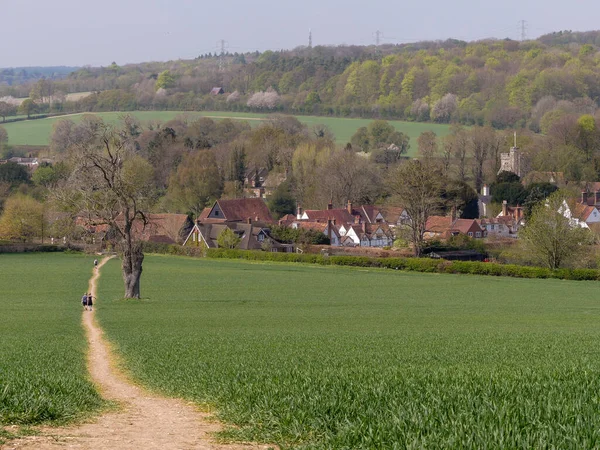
427	144
417	187
111	184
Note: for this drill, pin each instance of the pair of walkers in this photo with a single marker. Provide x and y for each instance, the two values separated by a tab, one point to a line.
87	301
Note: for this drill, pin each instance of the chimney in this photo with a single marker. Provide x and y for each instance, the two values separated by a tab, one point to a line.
330	204
485	190
596	197
504	208
299	212
349	207
584	197
329	226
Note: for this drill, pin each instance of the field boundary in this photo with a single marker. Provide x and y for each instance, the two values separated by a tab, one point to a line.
425	265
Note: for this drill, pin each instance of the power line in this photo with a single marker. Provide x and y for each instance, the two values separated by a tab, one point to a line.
222	44
523	24
378	35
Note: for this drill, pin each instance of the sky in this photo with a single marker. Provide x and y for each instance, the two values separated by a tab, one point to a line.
98	32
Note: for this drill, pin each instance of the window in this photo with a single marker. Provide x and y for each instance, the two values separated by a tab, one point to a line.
478	234
470	233
261	237
216	212
492	227
194	237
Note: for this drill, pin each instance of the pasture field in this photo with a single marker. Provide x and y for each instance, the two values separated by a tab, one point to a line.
331	357
37	132
43	375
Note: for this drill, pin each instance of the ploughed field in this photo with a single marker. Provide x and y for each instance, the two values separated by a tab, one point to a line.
43	375
37	132
331	357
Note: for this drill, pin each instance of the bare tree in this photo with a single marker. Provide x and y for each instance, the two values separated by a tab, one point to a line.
427	144
481	143
111	184
347	176
417	187
458	141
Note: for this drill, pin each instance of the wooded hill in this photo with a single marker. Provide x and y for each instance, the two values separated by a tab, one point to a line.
502	83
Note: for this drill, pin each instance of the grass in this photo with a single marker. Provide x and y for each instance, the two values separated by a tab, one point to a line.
37	132
43	375
330	357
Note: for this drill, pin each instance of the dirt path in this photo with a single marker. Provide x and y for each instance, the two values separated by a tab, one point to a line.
145	421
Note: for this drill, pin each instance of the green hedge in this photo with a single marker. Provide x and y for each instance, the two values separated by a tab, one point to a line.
407	264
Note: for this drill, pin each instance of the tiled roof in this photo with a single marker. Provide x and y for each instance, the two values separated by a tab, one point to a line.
465	225
582	212
438	224
242	209
340	215
391	214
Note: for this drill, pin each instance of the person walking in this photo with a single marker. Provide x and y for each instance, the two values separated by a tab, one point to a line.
90	302
84	301
95	264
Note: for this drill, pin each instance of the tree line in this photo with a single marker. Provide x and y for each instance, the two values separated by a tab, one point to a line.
501	83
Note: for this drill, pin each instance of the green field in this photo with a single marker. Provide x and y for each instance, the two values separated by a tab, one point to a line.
330	357
43	375
37	132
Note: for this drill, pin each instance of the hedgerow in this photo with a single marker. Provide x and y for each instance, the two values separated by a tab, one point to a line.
427	265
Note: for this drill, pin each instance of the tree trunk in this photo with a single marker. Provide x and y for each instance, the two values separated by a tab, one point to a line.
132	268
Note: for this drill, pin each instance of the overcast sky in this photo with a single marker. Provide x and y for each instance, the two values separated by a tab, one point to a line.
82	32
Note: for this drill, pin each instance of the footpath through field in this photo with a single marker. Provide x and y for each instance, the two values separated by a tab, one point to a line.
144	421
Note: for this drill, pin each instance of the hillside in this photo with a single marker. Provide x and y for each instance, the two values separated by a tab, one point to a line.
502	83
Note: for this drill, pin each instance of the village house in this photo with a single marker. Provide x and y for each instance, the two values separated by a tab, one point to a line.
504	226
217	91
237	210
515	212
363	225
394	216
30	163
252	236
328	229
443	227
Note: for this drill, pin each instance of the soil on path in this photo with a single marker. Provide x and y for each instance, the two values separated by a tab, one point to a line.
145	421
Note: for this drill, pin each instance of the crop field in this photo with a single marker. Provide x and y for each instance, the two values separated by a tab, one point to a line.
43	376
332	357
37	132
